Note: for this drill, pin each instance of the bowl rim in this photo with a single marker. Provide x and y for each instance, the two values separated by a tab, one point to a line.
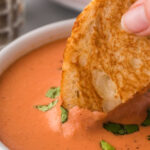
63	27
70	5
7	51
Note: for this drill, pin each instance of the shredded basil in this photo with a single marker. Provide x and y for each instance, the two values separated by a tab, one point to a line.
148	137
106	146
147	120
120	129
45	108
64	114
53	92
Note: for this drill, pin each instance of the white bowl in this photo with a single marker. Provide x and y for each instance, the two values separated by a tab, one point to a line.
31	41
75	4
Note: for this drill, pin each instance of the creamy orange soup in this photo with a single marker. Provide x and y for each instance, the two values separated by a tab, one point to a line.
22	127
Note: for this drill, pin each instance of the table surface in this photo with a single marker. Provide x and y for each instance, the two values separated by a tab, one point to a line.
42	12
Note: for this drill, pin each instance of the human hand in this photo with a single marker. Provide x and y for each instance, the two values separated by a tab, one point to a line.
137	19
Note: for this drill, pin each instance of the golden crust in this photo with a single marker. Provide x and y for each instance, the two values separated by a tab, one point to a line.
103	65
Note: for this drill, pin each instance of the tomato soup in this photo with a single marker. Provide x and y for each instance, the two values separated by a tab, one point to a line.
23	127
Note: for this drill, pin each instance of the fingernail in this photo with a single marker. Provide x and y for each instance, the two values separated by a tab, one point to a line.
135	20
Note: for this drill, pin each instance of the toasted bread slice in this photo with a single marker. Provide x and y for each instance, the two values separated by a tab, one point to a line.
103	65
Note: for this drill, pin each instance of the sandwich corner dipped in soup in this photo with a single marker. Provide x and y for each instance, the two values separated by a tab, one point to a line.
103	65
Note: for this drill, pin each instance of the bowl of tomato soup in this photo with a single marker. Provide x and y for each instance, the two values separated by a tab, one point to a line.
55	33
31	113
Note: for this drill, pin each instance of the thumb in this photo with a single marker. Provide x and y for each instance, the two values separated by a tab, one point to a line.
137	19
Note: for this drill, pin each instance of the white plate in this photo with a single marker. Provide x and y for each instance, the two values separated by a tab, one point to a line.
31	41
75	4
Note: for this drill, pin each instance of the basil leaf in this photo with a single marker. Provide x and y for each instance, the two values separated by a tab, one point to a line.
64	114
113	127
53	92
120	129
106	146
148	137
147	120
45	108
121	132
131	128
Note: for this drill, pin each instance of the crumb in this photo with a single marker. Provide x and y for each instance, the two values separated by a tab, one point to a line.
78	94
3	97
135	141
59	68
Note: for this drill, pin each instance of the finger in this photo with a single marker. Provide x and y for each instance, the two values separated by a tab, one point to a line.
147	8
136	20
144	33
137	3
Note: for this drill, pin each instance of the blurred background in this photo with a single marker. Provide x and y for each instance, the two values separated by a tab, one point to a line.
18	17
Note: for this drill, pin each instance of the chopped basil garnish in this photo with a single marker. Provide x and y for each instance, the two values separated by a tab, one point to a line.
131	128
53	92
112	127
147	120
106	146
64	114
148	137
120	129
45	108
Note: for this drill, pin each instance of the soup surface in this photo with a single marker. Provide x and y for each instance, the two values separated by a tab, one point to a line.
22	127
